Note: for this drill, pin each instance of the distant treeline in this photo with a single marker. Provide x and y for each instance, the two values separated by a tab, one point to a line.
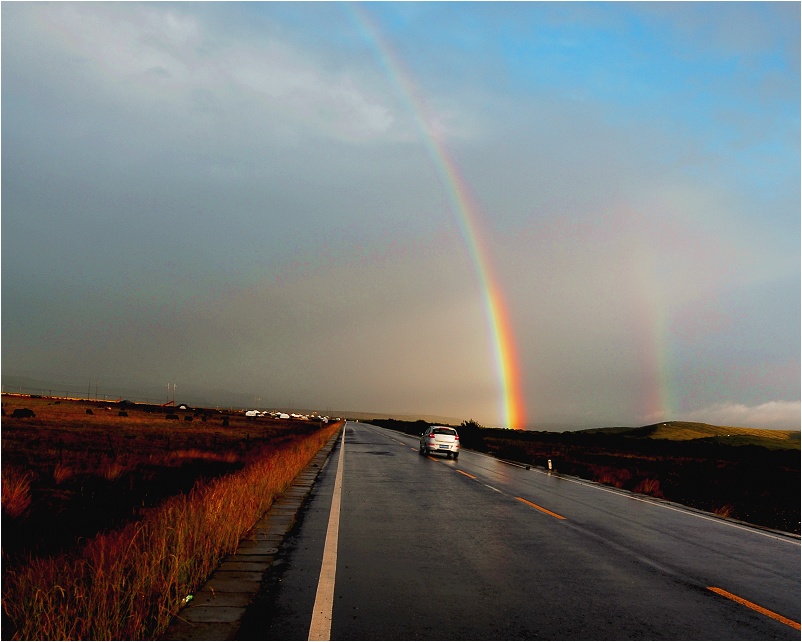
747	482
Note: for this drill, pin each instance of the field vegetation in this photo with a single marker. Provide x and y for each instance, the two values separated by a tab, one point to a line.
111	519
723	435
747	474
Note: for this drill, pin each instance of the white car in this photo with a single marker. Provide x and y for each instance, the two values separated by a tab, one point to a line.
440	439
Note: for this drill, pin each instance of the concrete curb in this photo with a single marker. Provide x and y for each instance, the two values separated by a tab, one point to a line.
215	611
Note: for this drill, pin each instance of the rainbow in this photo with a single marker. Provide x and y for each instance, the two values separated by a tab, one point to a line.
655	399
464	206
652	337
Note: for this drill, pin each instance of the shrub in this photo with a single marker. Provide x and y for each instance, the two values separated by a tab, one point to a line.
61	473
649	487
113	470
724	511
16	491
611	476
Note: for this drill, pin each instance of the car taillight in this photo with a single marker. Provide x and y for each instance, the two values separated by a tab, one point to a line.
456	437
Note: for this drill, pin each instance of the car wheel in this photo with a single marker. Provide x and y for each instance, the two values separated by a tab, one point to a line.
456	455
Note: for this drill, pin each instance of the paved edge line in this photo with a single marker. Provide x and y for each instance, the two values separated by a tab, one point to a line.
217	608
754	607
320	627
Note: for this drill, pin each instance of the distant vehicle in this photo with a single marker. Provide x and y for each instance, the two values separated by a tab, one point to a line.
440	439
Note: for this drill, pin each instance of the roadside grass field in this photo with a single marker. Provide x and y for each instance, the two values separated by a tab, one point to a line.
752	475
684	431
110	521
760	436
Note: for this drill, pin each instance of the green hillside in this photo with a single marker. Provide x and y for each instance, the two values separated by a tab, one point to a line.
729	435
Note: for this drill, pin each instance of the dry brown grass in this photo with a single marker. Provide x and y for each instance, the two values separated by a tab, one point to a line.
649	487
16	491
61	473
680	431
724	511
127	583
611	476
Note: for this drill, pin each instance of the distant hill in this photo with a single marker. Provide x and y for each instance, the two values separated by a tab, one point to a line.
726	435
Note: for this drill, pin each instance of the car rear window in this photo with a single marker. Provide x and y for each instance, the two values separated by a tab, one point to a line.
444	431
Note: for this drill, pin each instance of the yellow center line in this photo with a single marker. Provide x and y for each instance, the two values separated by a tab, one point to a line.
754	607
464	473
432	458
540	508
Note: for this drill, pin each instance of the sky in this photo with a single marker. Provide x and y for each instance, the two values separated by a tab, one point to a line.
541	215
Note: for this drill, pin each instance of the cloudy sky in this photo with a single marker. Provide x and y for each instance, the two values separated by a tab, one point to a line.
311	203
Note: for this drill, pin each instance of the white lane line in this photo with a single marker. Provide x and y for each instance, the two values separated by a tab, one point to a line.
320	628
492	488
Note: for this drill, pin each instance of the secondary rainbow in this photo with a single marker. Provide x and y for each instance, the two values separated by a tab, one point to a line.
465	208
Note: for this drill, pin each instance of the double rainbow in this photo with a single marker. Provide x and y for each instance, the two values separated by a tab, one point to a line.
465	208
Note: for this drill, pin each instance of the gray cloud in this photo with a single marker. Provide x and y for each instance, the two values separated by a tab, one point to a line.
778	415
237	197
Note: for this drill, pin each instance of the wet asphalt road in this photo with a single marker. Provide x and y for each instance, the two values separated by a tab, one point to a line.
479	549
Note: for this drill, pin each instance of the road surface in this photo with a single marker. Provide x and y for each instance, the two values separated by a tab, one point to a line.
429	548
